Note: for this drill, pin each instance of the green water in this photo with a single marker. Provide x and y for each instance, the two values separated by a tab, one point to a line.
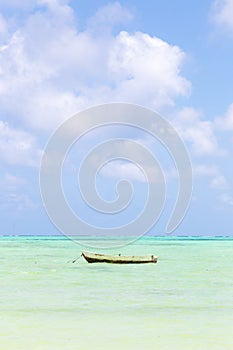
185	301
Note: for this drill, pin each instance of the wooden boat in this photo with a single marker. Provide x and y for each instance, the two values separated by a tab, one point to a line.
118	259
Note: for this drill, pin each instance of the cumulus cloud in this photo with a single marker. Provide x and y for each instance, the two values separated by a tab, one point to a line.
52	70
226	122
219	183
28	5
13	194
222	14
227	199
17	4
146	69
11	182
3	26
206	170
18	147
16	201
198	132
217	180
122	170
108	16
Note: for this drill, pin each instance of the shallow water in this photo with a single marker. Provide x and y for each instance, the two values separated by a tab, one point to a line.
185	301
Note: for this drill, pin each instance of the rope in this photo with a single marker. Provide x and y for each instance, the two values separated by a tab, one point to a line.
77	258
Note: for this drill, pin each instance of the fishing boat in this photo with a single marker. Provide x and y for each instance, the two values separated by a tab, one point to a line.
119	259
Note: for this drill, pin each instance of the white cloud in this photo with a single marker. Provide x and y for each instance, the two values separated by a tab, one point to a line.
198	132
222	14
13	193
49	70
28	5
205	170
226	122
52	3
17	4
227	199
16	201
146	69
219	182
3	27
11	182
123	170
18	147
132	162
107	16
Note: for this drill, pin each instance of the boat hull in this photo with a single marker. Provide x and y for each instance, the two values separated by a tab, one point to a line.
119	259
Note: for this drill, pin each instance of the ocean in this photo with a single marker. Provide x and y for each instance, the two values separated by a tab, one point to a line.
185	301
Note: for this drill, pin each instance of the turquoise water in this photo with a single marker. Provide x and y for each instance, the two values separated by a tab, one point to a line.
185	301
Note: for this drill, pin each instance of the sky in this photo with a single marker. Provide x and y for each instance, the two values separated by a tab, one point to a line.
59	57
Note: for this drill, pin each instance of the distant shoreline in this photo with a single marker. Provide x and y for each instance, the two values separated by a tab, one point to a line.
164	237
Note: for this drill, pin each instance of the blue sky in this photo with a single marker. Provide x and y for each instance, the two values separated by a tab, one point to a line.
59	57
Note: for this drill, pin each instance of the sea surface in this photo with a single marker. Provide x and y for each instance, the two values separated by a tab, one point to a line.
184	302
